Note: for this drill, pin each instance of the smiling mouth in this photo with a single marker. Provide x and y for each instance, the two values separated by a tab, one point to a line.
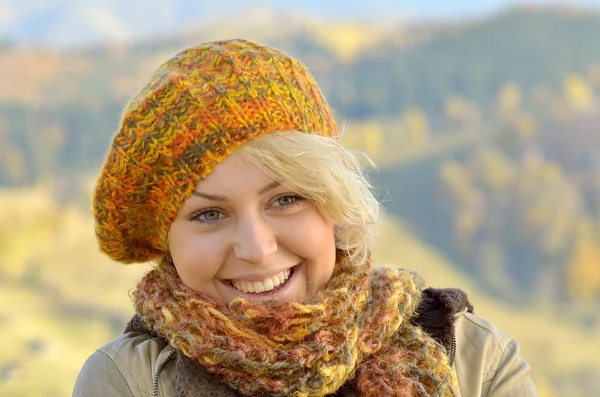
267	285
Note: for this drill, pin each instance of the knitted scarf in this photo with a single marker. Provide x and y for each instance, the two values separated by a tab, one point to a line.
358	328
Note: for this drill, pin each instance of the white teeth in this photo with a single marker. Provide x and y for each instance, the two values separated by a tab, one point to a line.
258	287
262	286
276	281
268	284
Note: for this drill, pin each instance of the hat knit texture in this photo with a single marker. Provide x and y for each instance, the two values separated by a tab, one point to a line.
197	108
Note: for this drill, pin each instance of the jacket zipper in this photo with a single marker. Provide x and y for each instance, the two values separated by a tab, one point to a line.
159	368
452	354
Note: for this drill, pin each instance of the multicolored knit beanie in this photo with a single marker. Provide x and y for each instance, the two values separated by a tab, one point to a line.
197	108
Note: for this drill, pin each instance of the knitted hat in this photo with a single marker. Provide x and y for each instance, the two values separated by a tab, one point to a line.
197	108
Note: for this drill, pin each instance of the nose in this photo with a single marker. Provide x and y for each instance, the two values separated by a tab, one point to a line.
255	240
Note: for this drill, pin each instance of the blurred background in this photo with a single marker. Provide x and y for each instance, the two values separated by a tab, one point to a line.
482	116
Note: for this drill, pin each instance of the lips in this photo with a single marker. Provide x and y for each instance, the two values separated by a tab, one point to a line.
265	285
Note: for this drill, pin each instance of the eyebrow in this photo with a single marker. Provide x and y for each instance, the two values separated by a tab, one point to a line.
215	197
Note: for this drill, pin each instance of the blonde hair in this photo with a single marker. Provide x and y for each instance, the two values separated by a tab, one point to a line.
332	176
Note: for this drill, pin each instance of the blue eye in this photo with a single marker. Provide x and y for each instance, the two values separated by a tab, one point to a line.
211	215
286	201
208	216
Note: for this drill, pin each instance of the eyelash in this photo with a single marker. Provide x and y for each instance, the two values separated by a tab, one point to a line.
195	217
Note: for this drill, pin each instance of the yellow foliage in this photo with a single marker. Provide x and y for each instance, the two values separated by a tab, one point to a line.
459	111
351	138
557	232
509	98
543	388
466	223
496	169
366	136
460	185
373	139
578	92
583	268
538	215
348	38
552	173
454	175
525	126
26	224
416	125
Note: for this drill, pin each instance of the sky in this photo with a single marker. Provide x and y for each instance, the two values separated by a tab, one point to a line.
72	22
461	8
420	8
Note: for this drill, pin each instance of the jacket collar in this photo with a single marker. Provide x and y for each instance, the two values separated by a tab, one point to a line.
437	312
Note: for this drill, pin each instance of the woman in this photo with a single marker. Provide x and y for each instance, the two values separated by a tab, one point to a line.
227	172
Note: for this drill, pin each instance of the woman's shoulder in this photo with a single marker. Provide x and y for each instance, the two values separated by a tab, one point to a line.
480	332
125	366
488	361
138	345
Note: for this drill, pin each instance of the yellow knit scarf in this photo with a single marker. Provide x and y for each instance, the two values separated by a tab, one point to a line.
358	329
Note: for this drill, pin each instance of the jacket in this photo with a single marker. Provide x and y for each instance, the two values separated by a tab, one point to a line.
487	361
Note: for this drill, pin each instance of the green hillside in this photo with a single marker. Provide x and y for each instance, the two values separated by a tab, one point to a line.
531	48
58	116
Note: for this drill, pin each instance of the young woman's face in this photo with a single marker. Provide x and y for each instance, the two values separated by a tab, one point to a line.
242	234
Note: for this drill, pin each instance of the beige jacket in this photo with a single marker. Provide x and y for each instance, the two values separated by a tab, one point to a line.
487	363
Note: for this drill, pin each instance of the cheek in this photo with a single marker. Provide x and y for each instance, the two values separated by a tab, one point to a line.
315	242
196	258
314	236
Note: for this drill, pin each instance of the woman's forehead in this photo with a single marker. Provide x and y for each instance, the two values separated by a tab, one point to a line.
236	174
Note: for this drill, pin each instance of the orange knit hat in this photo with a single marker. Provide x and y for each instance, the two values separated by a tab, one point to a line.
197	108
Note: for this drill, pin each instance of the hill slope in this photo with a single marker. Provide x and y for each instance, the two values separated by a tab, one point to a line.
531	48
